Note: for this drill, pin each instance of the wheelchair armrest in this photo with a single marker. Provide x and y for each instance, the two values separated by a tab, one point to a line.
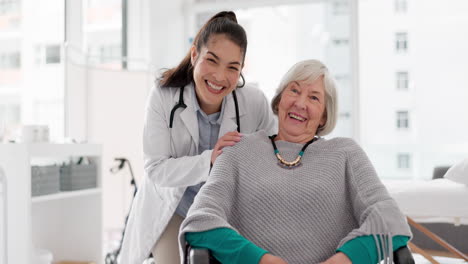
403	256
202	256
199	256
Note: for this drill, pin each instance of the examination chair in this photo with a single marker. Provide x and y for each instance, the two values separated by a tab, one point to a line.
202	256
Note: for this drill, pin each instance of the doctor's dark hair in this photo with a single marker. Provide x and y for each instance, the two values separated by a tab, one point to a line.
223	23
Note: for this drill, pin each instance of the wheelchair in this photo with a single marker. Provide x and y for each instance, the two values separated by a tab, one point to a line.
202	256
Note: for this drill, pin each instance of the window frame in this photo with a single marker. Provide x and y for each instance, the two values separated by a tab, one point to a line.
404	161
402	80
401	41
400	6
402	120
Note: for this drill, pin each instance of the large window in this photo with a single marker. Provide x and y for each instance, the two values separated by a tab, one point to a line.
32	59
29	94
427	120
411	61
103	33
282	35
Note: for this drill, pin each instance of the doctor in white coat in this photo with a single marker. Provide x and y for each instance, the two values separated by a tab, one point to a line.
191	115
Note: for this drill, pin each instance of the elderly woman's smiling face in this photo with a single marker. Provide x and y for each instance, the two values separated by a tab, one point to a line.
301	111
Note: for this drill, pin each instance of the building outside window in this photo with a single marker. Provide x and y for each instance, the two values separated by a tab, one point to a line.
110	53
401	6
52	54
11	60
29	94
9	6
10	16
404	161
341	42
402	82
102	32
9	113
402	121
340	8
401	41
47	54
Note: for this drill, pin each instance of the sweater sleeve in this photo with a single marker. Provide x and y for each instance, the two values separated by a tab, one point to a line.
375	211
226	245
363	250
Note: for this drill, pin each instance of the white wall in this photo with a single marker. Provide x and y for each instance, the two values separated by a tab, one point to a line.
116	102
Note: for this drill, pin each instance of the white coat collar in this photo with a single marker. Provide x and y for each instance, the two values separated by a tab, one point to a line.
189	114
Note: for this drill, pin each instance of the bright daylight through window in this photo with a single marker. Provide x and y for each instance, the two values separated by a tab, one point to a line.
404	98
413	85
409	67
31	67
32	60
282	35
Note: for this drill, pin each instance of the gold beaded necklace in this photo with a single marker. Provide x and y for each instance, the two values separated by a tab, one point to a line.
289	164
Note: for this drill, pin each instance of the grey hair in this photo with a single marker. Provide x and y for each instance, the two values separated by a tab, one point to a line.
309	71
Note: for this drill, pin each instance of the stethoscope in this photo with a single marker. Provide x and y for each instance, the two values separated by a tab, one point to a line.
181	104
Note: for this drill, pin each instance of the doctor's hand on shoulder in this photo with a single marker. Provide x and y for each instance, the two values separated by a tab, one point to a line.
229	139
271	259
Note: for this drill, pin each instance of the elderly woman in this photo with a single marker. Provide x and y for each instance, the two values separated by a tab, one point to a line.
296	197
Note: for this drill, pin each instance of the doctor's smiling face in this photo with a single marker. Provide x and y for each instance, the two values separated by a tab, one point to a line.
216	71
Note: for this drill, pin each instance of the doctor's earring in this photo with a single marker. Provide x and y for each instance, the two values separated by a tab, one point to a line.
240	85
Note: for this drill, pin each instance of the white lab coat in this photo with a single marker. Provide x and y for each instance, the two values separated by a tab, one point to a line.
172	162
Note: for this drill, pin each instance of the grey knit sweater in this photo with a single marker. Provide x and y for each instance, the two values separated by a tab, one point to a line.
303	214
